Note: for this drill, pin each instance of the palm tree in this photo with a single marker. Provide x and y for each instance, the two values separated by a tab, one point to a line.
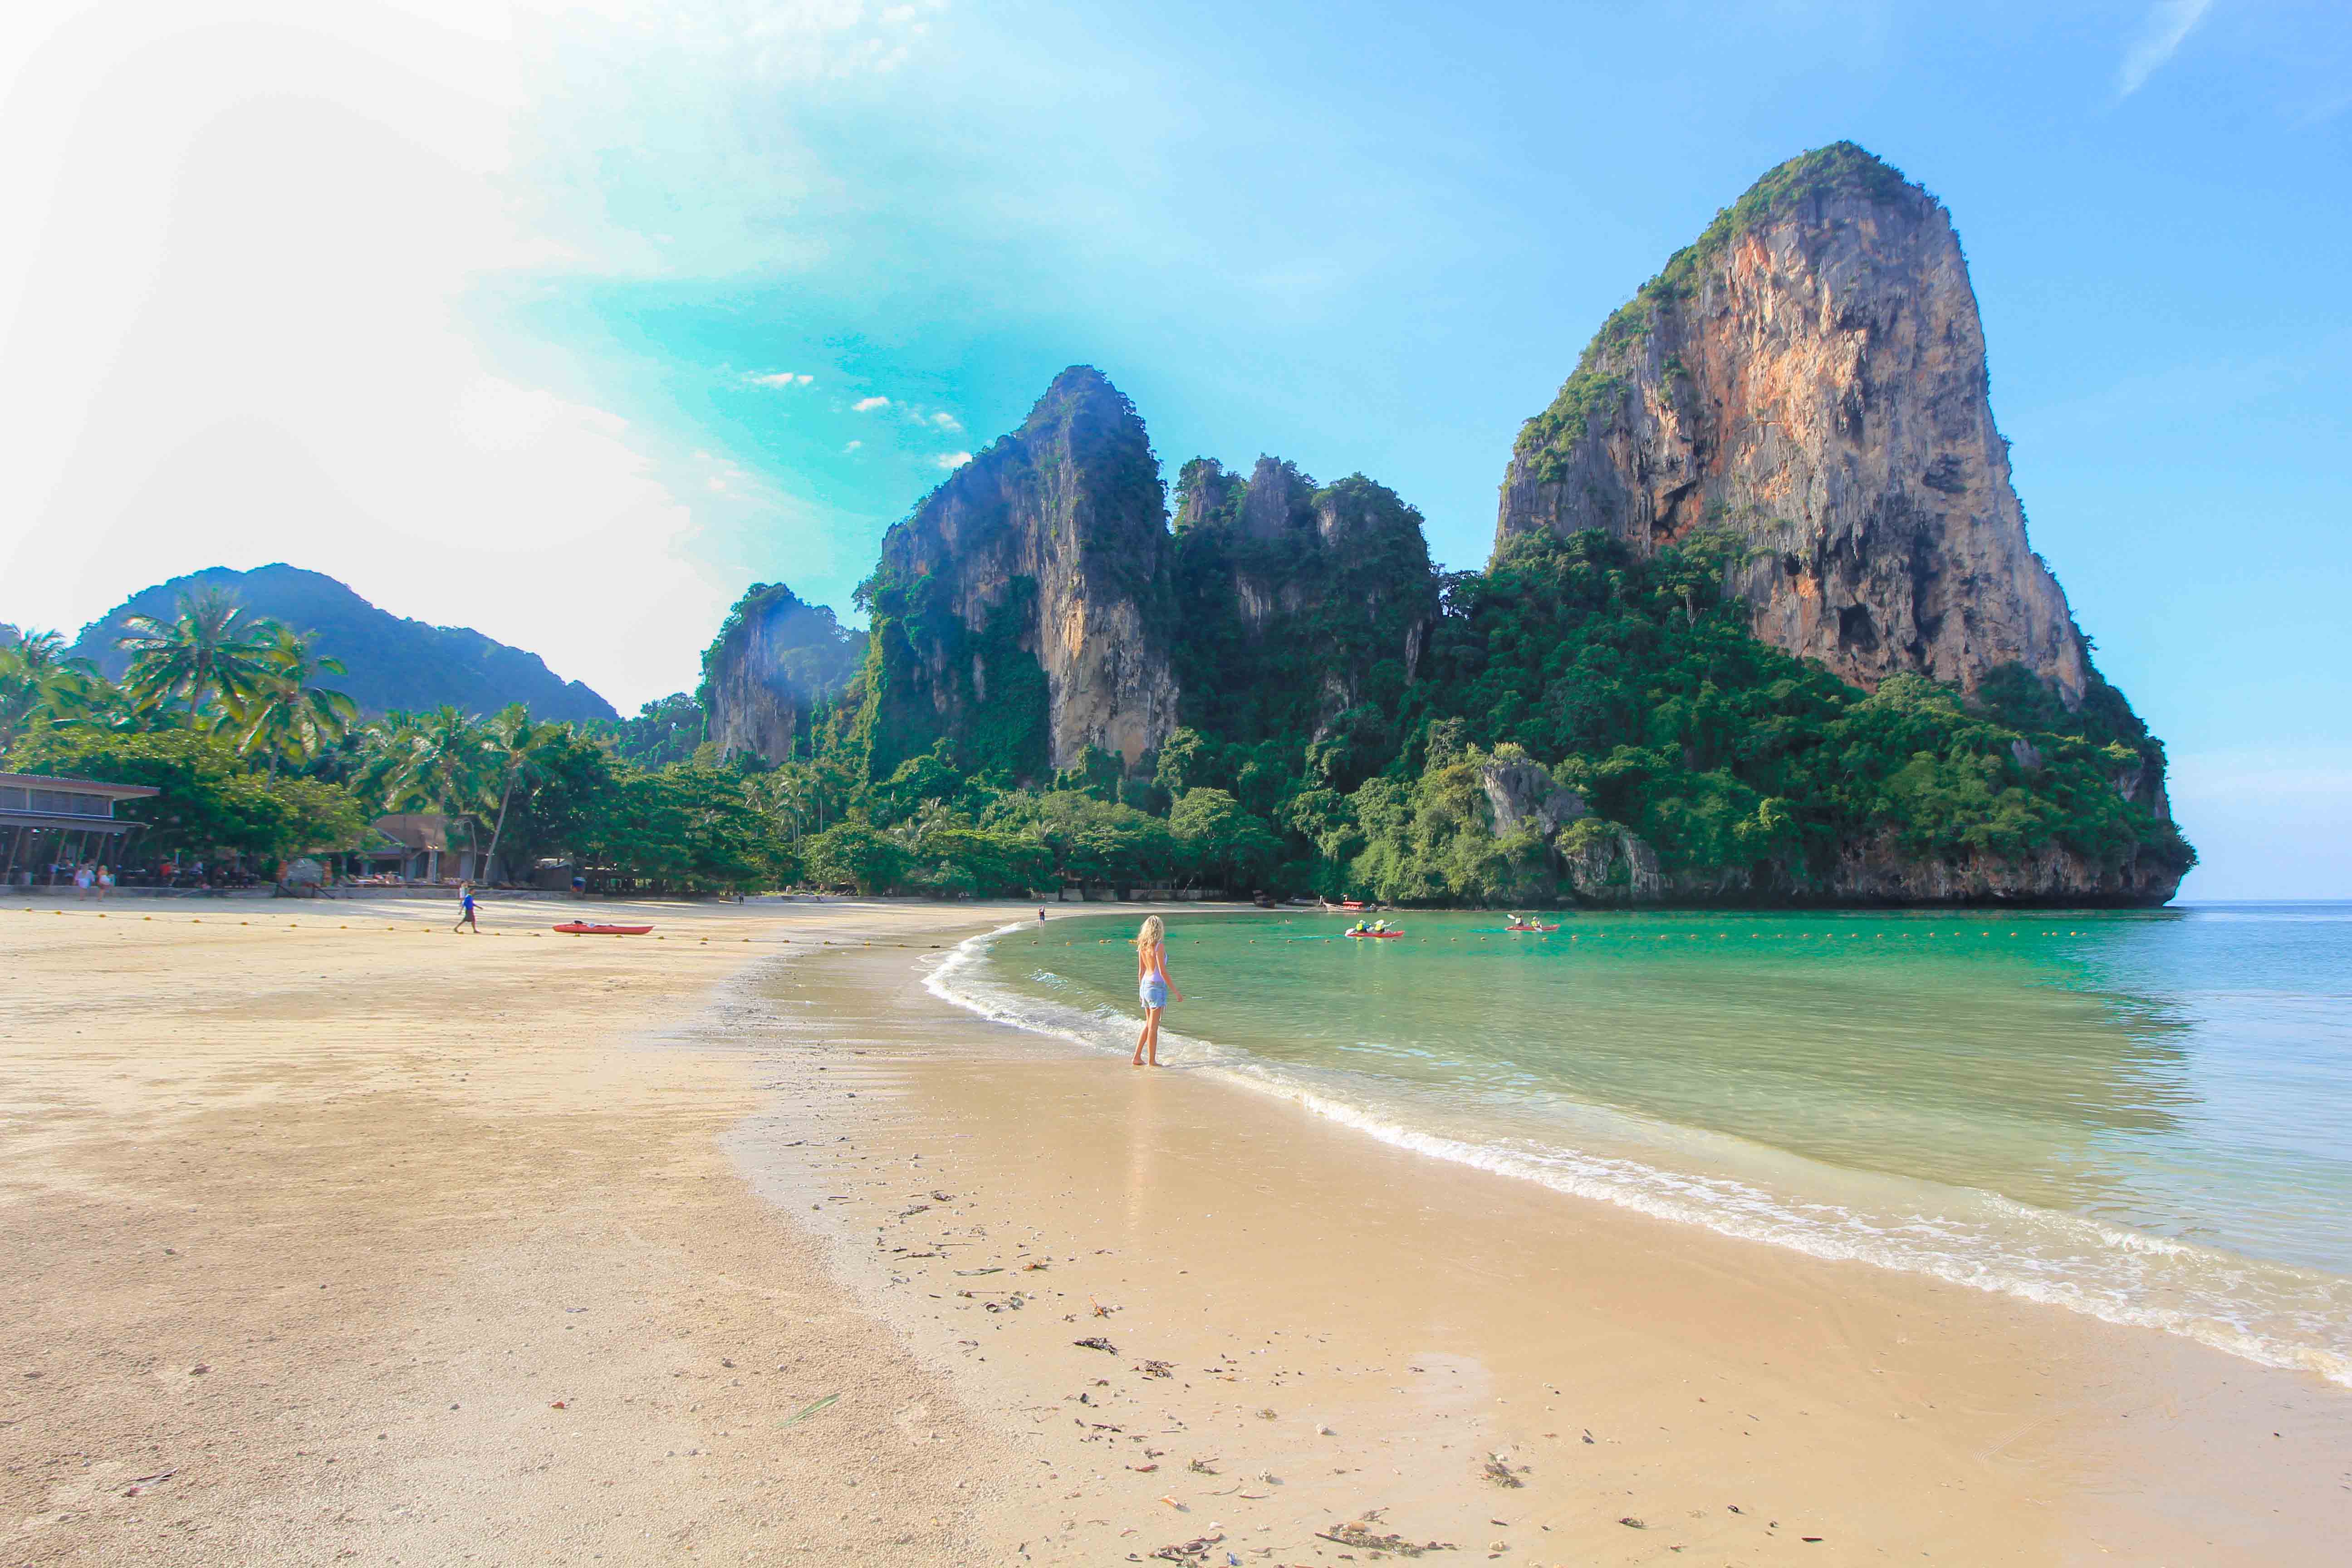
210	648
36	682
788	792
438	762
286	713
519	752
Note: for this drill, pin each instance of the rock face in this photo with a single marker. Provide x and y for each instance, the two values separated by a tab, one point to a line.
775	658
1299	602
1047	552
1521	793
1605	865
1809	380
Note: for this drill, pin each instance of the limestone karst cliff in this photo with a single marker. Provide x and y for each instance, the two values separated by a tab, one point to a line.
775	658
1809	379
1762	626
1300	601
1023	611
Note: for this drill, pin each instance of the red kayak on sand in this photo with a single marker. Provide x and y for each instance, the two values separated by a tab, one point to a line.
597	928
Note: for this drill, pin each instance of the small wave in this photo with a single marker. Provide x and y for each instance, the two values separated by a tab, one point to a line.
2269	1314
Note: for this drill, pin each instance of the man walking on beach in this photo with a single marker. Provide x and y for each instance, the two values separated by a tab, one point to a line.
466	919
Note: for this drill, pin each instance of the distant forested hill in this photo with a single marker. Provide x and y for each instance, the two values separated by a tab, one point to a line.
394	662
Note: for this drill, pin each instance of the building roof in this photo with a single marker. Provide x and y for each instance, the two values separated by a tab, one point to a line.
416	829
77	787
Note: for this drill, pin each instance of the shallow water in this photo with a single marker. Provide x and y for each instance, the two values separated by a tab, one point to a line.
2145	1116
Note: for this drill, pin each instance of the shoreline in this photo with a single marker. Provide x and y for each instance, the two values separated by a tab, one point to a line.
1751	1192
1928	1416
363	1244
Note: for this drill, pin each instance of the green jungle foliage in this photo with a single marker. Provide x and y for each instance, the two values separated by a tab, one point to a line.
667	729
1304	765
1645	693
1346	608
213	803
256	763
927	676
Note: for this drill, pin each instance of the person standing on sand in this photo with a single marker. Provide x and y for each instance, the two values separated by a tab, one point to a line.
1152	984
105	883
465	909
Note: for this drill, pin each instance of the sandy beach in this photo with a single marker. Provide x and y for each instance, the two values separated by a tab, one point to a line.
341	1238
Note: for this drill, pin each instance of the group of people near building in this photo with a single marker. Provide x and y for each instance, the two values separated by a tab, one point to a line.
90	878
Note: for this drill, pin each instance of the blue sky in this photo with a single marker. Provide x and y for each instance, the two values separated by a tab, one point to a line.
715	291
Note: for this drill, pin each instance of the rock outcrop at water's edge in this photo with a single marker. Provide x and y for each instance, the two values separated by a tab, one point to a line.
1810	378
1603	864
1611	867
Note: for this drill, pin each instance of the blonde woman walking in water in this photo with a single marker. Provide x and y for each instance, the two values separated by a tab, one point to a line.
1152	984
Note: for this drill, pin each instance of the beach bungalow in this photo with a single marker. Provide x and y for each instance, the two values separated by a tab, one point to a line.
414	845
48	822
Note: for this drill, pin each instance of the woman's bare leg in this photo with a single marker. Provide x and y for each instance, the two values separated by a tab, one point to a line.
1145	1038
1151	1035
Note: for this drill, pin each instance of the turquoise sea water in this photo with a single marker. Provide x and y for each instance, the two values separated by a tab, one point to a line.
2144	1116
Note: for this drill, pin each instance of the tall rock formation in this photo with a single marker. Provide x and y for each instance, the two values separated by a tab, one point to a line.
775	658
1024	611
1301	602
1810	376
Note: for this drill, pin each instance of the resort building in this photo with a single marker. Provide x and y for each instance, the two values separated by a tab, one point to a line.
413	847
46	822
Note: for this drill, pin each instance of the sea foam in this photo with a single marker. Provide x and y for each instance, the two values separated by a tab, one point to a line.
2271	1314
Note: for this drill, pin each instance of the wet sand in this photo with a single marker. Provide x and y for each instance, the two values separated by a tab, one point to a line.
347	1244
1341	1331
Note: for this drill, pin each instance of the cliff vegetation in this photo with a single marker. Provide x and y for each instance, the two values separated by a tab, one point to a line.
1762	626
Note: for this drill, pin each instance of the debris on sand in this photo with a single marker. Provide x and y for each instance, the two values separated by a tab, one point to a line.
1196	1551
805	1411
1630	1523
1155	1369
1502	1474
1097	1343
1207	1467
1360	1535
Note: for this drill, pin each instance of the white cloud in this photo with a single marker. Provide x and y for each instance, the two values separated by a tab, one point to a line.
869	405
953	460
783	378
191	383
947	421
853	446
2161	32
